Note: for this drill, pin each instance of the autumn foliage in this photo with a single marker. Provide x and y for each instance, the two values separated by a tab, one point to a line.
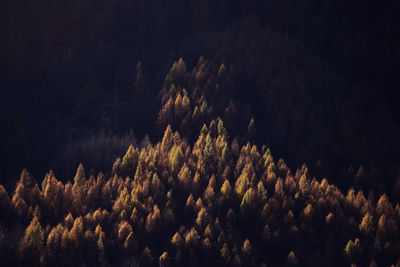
202	198
181	203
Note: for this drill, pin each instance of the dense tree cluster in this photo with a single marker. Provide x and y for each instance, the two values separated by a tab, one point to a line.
319	78
212	201
190	98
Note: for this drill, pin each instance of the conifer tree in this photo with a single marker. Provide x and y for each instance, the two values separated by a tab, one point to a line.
31	245
167	140
175	158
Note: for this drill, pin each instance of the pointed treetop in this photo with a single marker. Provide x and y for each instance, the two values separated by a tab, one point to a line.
167	139
80	175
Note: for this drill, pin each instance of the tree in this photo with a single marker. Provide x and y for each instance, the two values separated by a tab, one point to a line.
226	253
249	200
192	238
222	72
125	229
102	252
184	176
242	184
139	174
5	204
153	220
53	245
166	115
175	158
202	218
76	233
53	194
167	139
367	224
251	129
384	207
291	259
208	148
177	240
209	193
178	105
308	211
246	248
129	161
226	189
279	192
177	73
221	128
224	157
69	220
130	243
116	166
32	243
261	191
164	259
157	187
185	103
79	186
353	249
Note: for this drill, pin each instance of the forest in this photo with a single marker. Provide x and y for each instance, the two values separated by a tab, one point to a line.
222	133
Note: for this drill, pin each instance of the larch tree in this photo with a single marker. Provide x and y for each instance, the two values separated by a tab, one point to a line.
178	72
166	114
124	230
177	240
367	224
178	105
130	243
184	176
79	186
185	103
175	158
226	189
129	161
31	244
167	140
5	204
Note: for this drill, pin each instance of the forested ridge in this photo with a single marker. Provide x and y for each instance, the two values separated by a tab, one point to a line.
319	78
176	133
212	202
197	196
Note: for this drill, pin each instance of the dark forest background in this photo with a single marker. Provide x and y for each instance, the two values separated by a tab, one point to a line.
320	79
